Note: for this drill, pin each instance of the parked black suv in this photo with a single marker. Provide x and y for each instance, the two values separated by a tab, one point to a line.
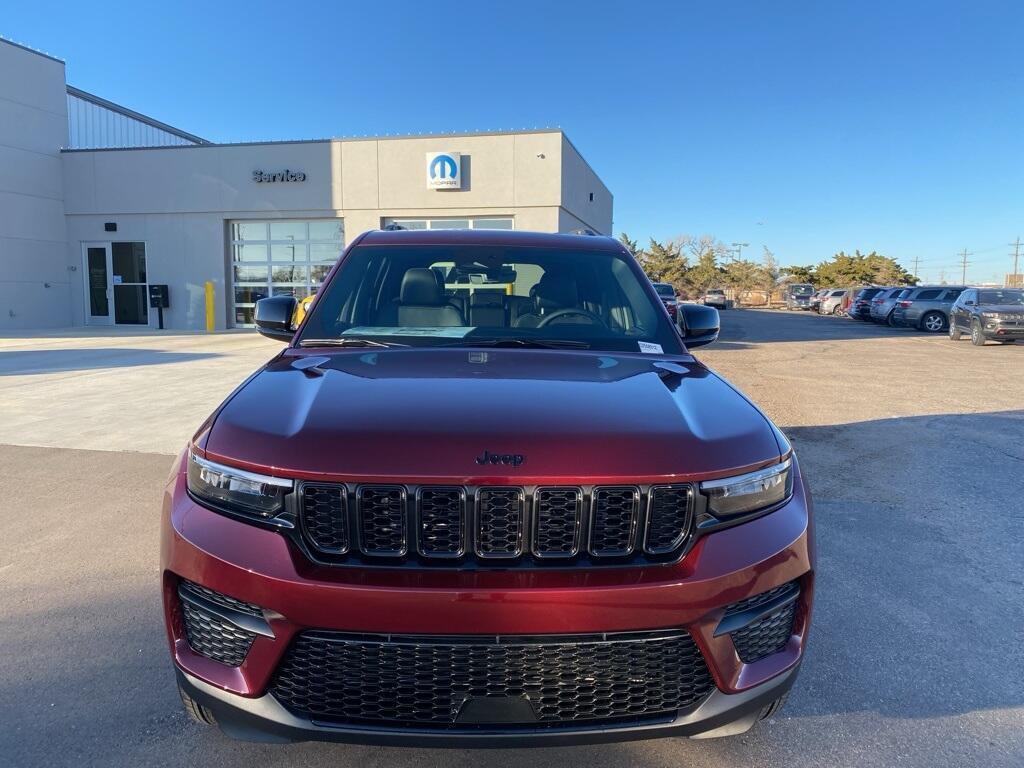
860	307
988	313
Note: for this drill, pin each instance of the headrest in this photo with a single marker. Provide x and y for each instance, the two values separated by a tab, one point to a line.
556	292
419	286
487	299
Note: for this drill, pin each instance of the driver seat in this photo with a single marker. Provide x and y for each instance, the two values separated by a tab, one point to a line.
552	293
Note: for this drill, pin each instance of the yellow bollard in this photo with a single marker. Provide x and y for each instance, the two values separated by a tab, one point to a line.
209	306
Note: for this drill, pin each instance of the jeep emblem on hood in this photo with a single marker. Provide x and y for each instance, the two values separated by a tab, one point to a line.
515	459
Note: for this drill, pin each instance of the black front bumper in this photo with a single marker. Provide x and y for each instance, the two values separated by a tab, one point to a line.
265	719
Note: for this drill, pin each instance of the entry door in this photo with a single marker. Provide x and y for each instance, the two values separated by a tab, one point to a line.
99	285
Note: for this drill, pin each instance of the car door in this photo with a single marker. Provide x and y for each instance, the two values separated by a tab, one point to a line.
960	315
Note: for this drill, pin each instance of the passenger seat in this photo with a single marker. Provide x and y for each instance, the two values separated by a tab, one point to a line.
421	303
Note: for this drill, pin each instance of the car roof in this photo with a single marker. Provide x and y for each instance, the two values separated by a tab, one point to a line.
499	237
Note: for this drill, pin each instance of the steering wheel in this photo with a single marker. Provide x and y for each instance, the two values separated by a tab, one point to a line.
594	319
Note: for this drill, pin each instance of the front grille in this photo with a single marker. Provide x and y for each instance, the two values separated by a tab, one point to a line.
211	636
429	681
499	526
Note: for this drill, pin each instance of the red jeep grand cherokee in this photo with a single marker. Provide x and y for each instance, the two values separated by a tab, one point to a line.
486	497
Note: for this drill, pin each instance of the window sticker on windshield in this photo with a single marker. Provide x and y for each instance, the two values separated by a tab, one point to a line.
453	332
650	348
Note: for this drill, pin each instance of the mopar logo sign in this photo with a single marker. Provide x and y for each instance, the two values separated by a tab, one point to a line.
444	170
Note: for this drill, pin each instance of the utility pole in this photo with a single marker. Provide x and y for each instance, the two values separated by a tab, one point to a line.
963	263
917	260
739	249
942	277
1016	260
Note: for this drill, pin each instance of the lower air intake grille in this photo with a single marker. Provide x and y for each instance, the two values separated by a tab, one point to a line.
769	634
433	681
211	636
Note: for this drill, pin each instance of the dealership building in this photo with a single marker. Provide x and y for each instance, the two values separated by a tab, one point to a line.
98	203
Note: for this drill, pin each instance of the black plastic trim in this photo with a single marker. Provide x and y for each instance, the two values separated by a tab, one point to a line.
732	622
244	621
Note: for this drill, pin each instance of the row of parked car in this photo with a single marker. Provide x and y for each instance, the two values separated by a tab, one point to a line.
985	314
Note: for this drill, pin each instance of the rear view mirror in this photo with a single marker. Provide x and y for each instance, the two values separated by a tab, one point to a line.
274	317
698	324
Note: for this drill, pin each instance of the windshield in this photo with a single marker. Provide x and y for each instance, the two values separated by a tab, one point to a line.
666	290
473	295
801	289
1001	297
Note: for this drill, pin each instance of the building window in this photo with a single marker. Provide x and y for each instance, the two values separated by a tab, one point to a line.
280	258
479	222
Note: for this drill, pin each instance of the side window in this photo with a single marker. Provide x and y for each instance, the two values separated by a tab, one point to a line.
952	294
928	295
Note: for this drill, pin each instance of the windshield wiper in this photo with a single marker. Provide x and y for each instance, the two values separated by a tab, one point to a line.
346	341
526	343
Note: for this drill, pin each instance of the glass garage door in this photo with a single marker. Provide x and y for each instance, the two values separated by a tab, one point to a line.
477	222
280	257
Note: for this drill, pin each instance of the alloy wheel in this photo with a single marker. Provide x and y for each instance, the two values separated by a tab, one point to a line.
933	322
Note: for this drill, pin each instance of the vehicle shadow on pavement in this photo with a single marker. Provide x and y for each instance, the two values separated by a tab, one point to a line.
44	361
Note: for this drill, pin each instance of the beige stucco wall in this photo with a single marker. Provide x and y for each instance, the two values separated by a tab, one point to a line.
178	199
35	280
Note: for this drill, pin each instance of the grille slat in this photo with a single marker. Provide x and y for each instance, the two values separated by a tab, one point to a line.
614	520
382	519
442	522
572	525
425	682
501	518
558	523
668	518
325	517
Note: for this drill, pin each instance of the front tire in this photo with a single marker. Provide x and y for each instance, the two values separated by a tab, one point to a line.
837	310
954	331
196	711
977	335
933	322
773	709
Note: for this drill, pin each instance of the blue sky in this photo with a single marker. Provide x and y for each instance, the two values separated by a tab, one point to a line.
808	127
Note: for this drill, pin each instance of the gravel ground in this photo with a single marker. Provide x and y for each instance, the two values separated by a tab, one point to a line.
912	443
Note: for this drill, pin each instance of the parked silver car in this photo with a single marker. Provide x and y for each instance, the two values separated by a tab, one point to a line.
926	307
833	302
883	304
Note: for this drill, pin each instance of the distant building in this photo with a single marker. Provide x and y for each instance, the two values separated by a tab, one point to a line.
98	202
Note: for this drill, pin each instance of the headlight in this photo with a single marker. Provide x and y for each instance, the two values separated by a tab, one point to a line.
990	315
738	495
236	490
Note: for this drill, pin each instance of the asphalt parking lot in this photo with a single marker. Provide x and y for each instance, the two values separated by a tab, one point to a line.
913	444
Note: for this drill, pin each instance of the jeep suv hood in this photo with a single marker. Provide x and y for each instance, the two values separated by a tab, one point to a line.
418	415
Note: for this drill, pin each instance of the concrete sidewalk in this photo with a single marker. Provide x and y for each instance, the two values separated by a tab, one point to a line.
115	391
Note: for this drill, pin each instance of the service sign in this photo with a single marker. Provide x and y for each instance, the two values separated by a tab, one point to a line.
444	170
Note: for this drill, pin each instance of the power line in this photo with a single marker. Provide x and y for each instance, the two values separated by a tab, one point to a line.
1016	259
963	265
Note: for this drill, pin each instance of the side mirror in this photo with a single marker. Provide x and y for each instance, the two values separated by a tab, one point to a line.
274	317
698	324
